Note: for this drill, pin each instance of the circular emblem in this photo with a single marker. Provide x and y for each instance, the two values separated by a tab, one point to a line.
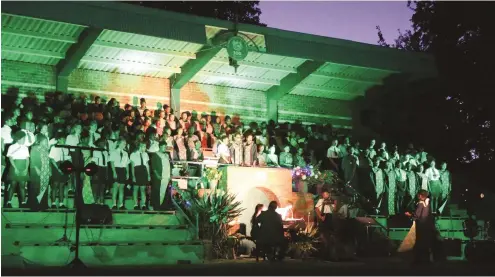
237	48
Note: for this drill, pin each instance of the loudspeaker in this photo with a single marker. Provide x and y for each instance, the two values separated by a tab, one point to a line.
96	214
399	221
480	251
452	247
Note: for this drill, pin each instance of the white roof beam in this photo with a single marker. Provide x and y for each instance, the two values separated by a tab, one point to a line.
333	76
224	76
32	52
326	90
159	68
257	65
31	34
169	53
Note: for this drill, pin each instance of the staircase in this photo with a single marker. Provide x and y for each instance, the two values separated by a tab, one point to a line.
135	237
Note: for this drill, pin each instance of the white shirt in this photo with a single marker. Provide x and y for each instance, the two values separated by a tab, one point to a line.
223	150
29	138
327	209
343	150
59	154
120	158
333	152
7	134
18	152
261	140
372	153
154	147
93	137
432	174
136	159
111	144
101	158
72	140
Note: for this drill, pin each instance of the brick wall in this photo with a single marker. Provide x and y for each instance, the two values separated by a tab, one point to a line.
315	110
38	79
248	105
124	88
28	78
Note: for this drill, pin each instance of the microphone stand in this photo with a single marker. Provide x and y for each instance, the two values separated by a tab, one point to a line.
79	202
66	219
360	196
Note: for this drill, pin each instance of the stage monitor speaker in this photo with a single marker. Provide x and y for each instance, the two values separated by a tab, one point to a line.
96	214
399	221
480	251
452	247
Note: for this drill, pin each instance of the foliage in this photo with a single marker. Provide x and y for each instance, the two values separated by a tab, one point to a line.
213	174
303	242
458	103
244	11
314	176
216	210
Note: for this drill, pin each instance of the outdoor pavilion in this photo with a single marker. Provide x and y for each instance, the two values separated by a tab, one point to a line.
288	75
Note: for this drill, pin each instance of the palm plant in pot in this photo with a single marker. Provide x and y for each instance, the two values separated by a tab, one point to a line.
303	242
215	210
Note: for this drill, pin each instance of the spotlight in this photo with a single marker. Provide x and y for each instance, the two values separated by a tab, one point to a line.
482	195
67	167
91	169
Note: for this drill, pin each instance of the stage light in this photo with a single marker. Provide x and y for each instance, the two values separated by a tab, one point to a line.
67	167
91	169
482	195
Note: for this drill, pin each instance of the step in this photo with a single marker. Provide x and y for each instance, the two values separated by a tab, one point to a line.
116	254
57	216
92	235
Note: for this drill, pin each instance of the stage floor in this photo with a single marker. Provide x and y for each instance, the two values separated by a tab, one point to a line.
367	266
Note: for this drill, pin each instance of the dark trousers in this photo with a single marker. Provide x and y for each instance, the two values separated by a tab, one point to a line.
155	196
274	250
33	191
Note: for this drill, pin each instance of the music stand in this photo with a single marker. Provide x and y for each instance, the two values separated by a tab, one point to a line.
79	202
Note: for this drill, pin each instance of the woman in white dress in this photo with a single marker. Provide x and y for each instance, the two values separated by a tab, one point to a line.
435	186
422	178
272	158
446	181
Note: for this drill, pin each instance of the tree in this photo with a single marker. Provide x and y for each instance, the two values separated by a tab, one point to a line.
243	11
461	37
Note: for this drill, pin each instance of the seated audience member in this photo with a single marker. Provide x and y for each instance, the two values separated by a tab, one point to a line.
271	234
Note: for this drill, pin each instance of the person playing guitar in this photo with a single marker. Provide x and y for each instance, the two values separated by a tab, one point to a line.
324	209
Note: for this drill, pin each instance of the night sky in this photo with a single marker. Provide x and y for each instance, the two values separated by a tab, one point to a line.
346	20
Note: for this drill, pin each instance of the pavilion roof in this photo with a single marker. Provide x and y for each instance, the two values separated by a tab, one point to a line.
148	42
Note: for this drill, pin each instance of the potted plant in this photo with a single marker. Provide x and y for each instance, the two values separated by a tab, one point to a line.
215	211
303	242
213	175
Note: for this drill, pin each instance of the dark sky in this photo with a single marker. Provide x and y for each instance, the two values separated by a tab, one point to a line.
346	20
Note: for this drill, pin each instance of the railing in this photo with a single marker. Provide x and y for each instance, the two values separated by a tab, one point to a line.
195	227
